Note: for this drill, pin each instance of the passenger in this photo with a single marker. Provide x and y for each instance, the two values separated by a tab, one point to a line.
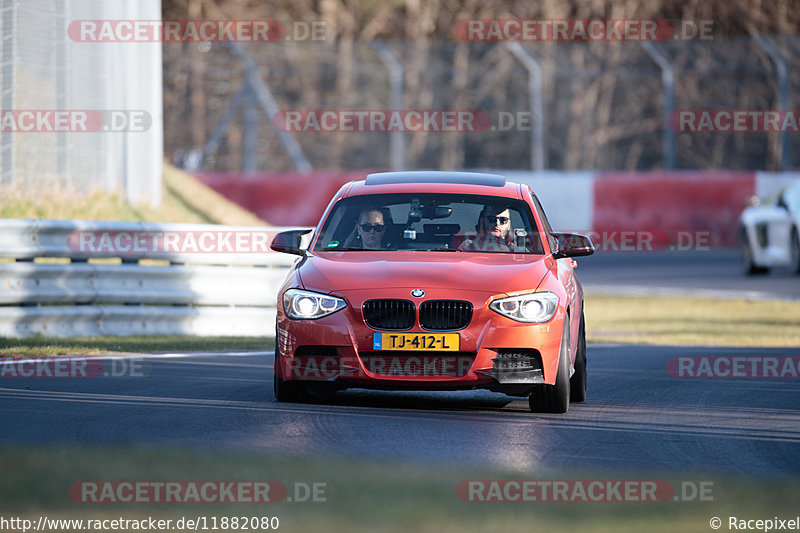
493	231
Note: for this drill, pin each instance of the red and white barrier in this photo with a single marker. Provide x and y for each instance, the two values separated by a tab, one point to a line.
707	202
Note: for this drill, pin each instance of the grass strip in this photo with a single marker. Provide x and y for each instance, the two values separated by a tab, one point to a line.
370	495
692	321
49	346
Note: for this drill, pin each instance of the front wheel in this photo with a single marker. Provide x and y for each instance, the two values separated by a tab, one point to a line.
555	398
794	252
577	383
749	266
287	391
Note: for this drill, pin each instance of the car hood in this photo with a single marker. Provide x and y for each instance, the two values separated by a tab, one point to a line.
497	273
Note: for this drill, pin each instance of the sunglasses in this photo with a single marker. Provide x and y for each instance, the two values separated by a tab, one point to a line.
493	220
372	227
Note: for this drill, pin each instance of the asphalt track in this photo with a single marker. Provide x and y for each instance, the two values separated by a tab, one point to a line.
637	417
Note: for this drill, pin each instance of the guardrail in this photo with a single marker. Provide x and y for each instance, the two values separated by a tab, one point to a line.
65	278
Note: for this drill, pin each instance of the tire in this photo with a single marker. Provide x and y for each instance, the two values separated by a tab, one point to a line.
577	383
746	255
290	391
794	251
287	391
555	398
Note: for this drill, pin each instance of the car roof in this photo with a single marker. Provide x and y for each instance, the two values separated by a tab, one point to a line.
433	181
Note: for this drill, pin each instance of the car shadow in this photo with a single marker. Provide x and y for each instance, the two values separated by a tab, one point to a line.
478	400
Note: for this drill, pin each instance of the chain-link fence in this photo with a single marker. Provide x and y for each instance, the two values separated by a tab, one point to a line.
602	106
98	88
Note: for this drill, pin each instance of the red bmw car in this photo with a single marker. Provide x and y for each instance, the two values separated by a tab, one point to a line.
433	281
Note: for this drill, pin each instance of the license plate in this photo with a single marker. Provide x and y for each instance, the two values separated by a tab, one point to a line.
434	342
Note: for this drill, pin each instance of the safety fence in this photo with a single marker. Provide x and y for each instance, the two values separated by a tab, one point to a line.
568	106
79	116
65	278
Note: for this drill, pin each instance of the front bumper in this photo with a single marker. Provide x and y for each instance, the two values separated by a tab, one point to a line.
495	352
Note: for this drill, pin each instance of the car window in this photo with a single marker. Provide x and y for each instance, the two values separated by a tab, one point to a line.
432	222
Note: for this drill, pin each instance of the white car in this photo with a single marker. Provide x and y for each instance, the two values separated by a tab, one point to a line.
768	233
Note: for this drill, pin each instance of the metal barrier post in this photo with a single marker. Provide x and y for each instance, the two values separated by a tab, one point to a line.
782	73
398	143
536	99
668	80
264	98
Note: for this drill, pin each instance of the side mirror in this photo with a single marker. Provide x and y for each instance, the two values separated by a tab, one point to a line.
290	242
572	245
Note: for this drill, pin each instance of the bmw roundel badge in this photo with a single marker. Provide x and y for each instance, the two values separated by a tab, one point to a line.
417	293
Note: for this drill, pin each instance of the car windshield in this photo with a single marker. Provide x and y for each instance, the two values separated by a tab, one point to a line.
430	222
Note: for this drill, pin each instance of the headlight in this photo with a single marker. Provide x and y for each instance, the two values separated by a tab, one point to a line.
534	307
301	305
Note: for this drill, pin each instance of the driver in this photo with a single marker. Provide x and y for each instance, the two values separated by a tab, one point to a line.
369	233
371	228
